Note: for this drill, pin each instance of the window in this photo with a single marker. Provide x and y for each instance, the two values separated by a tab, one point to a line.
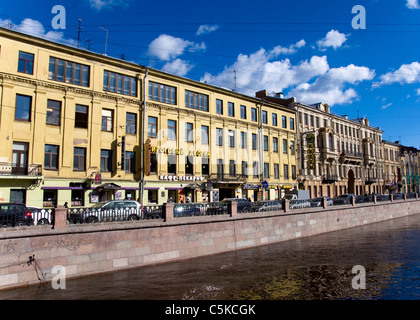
53	112
231	109
153	163
77	197
69	72
120	83
18	196
276	171
130	162
162	93
292	148
311	120
286	171
266	170
220	169
171	130
264	117
292	124
131	123
284	145
254	141
205	168
189	165
275	144
305	119
243	140
196	101
49	198
26	62
254	114
106	160
255	170
284	122
265	143
243	112
20	158
293	172
107	120
219	137
274	119
189	132
79	159
204	134
219	106
171	164
152	127
23	107
51	157
81	116
244	168
330	142
231	135
232	168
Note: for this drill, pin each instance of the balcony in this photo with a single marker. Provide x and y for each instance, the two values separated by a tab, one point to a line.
351	157
32	170
371	180
330	178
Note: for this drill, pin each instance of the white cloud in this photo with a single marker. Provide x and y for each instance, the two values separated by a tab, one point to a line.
257	69
412	4
386	106
333	39
407	73
166	47
331	86
290	50
36	29
206	28
178	67
108	4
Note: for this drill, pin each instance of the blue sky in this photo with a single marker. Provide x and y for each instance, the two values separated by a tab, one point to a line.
306	49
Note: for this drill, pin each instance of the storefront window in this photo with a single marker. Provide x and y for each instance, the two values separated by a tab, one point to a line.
77	198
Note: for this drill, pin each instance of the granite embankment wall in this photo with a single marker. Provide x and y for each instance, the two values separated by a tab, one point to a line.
87	249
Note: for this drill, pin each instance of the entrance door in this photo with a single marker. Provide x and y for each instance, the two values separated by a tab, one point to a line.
20	158
351	181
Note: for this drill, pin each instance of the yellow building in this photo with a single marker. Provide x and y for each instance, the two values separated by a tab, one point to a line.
73	128
392	167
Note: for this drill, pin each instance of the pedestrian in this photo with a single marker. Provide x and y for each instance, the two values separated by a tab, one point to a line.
66	205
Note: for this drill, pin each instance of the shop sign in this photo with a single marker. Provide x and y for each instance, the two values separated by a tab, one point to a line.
250	186
180	178
310	140
180	151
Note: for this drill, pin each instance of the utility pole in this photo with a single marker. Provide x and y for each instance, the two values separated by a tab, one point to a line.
79	28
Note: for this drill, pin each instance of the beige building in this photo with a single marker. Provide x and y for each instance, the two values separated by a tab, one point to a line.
335	155
392	167
73	128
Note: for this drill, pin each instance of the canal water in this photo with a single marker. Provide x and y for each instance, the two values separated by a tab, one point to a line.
313	268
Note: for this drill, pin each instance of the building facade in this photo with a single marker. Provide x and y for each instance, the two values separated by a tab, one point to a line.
409	157
81	128
392	169
336	155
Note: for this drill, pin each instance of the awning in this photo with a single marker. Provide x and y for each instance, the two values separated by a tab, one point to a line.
108	186
193	186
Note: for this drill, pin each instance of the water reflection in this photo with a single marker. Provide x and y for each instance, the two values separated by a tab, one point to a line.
318	267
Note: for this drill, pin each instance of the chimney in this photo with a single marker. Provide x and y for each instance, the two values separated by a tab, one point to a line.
279	95
261	94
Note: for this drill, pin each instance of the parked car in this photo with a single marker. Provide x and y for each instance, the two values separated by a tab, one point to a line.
299	204
243	205
40	216
317	202
267	205
344	198
115	210
15	214
186	210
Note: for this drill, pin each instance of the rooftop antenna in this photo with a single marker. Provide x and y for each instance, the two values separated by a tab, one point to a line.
234	75
106	39
78	32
